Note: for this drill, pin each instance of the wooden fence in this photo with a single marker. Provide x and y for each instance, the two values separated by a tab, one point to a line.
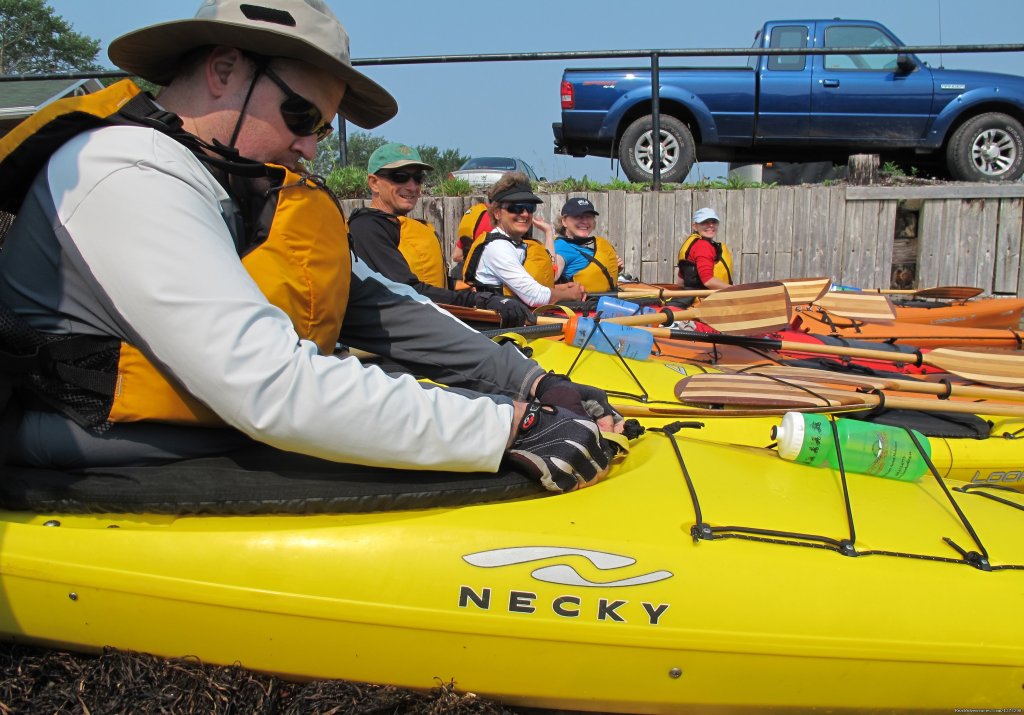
966	234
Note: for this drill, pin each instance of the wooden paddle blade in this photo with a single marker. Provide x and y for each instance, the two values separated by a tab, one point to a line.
949	292
759	391
810	374
869	307
803	291
991	367
746	309
475	315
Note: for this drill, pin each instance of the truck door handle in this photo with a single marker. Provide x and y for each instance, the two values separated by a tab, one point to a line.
829	82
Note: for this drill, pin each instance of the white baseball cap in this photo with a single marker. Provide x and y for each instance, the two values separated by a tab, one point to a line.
702	215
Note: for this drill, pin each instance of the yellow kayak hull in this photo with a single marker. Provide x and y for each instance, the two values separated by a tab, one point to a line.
530	601
634	595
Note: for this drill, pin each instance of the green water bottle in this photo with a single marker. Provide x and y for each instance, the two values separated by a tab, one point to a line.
878	450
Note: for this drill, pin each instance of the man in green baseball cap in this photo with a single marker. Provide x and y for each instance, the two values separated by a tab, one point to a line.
405	249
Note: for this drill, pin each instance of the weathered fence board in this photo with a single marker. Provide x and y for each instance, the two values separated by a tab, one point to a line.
846	234
815	256
668	238
1009	278
631	225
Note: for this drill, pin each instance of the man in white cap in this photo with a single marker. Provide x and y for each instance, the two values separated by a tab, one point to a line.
704	263
406	250
181	288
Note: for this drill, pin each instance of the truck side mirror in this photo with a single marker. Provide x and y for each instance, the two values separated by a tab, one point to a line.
904	64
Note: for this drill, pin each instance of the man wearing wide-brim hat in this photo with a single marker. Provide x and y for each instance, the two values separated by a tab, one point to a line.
212	278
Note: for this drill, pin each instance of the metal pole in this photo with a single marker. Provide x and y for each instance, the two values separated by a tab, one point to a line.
656	121
342	142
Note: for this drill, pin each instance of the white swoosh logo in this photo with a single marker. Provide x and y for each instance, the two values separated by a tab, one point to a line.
564	574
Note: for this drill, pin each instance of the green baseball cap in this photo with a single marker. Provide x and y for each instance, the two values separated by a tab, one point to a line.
395	156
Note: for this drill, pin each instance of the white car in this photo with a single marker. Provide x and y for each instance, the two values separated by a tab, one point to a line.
483	171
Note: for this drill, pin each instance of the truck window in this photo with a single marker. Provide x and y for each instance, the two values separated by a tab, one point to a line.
789	36
852	36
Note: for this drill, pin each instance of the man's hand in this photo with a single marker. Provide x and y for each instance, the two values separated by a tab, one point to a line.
513	311
559	390
563	450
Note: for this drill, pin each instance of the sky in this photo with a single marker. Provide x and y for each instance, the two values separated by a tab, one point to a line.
507	108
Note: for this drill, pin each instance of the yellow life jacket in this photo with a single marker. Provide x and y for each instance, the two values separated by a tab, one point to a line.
688	269
537	262
419	244
475	222
303	266
601	274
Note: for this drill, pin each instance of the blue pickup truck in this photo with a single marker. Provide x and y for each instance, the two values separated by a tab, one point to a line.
792	108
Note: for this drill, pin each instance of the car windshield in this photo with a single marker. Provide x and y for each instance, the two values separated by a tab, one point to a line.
503	163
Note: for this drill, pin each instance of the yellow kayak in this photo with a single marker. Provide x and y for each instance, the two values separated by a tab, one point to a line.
698	577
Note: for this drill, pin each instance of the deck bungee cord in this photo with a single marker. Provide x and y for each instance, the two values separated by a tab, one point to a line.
703	530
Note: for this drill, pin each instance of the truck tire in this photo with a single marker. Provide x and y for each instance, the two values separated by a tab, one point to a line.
636	150
988	147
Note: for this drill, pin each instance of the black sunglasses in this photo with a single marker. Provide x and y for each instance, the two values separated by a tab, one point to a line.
302	117
519	208
400	177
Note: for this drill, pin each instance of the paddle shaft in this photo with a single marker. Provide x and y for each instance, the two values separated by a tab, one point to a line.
788	345
756	390
885	383
993	369
947	292
674	411
923	403
801	291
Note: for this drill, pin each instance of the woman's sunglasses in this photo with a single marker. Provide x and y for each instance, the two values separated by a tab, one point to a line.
400	177
519	208
302	117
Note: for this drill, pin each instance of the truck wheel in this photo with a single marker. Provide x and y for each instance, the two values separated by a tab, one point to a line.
989	147
636	150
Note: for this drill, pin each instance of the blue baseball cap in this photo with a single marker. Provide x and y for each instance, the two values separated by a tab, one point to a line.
578	207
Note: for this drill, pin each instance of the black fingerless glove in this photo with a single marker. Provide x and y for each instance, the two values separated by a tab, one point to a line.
513	312
558	390
561	449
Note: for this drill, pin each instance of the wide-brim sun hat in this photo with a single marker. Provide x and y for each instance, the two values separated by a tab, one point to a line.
303	30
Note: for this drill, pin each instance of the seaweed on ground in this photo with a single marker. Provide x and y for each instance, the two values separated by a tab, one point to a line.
37	680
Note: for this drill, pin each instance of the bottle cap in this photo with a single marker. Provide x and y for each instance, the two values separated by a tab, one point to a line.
790	435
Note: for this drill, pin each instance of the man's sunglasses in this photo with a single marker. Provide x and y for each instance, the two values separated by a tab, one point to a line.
400	177
302	117
519	208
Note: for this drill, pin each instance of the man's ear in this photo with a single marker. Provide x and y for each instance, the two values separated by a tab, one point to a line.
223	66
372	180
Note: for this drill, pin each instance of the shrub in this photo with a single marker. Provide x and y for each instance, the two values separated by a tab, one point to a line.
348	182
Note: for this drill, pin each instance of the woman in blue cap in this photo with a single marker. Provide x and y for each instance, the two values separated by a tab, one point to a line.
589	259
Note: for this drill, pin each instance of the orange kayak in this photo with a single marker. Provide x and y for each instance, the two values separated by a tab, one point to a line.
922	335
976	313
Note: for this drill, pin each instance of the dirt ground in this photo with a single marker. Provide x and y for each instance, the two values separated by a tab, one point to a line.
35	680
